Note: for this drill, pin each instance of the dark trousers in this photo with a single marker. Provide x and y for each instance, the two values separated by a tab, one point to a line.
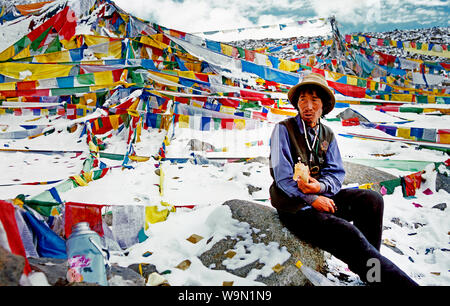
355	244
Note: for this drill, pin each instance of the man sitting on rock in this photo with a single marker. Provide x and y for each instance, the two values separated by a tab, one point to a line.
312	204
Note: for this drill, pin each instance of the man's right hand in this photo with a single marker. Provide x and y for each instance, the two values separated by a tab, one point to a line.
324	204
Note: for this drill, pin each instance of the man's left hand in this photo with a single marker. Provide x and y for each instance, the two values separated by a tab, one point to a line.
312	186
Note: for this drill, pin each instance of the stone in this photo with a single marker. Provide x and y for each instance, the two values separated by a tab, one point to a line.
146	268
265	219
194	238
11	268
442	182
124	276
252	189
441	206
198	145
54	268
361	174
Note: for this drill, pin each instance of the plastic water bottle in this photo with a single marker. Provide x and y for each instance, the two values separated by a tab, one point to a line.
316	278
85	256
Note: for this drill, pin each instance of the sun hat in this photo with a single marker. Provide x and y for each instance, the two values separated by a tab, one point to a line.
319	81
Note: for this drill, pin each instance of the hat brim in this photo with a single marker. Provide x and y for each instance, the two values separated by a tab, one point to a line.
294	93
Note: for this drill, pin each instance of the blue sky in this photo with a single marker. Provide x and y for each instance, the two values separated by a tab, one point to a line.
352	15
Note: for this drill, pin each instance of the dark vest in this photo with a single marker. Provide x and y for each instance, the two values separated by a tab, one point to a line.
299	151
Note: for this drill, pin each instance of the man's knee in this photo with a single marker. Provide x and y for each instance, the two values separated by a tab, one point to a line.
373	199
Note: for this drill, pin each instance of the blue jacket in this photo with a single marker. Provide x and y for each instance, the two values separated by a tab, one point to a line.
331	175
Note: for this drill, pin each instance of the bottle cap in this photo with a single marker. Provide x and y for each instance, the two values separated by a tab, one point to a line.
81	228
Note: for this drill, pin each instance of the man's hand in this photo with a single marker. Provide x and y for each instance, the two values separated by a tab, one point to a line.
324	204
313	186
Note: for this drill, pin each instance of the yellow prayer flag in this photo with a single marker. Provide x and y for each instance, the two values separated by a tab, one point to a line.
404	133
89	98
115	49
92	146
166	141
8	86
139	158
138	132
402	97
38	71
227	109
240	123
390	79
197	103
79	180
183	121
24	53
55	57
288	65
88	176
226	49
133	112
103	78
366	186
69	44
114	119
7	54
283	112
334	75
154	41
152	215
351	80
92	40
444	138
187	74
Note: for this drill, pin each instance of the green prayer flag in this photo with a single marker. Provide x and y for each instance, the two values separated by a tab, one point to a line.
86	79
21	44
217	123
54	46
391	185
35	44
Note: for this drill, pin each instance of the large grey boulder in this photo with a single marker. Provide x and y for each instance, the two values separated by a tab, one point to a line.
361	174
265	219
11	268
55	269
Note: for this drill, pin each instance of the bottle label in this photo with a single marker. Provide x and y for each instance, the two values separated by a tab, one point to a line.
78	265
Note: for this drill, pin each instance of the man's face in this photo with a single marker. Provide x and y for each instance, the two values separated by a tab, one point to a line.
310	106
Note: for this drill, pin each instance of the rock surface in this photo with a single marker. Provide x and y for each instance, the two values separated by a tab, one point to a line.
266	220
361	174
11	268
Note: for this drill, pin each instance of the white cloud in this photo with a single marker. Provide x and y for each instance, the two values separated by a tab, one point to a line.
349	11
428	3
208	15
188	16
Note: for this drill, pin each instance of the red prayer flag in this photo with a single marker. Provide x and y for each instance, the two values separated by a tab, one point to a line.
9	223
81	212
249	56
348	90
25	85
227	124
